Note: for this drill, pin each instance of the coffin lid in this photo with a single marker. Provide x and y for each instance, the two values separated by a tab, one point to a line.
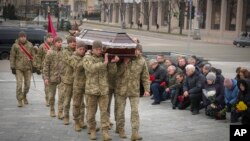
109	39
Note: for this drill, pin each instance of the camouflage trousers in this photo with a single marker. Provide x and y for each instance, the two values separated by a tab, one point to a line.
93	102
60	97
78	103
52	94
22	77
46	90
121	104
111	94
68	93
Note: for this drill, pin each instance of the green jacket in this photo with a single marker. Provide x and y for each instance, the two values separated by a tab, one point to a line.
130	75
40	57
76	61
18	59
67	76
96	75
51	68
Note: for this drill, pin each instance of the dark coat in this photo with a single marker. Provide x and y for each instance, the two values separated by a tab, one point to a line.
219	95
244	95
160	74
194	83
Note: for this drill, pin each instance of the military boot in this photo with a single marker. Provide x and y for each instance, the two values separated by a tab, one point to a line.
92	135
82	124
25	101
66	120
135	136
122	133
105	135
97	130
52	112
77	125
60	115
47	102
20	103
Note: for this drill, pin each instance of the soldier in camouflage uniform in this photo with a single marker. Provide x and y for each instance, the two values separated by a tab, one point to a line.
51	72
67	78
97	88
22	67
42	51
129	74
78	85
112	81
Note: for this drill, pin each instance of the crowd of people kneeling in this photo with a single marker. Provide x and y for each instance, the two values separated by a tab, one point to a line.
199	85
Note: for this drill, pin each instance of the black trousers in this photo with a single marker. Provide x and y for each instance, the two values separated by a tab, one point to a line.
195	100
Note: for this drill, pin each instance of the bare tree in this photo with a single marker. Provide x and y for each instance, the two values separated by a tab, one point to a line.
106	8
146	11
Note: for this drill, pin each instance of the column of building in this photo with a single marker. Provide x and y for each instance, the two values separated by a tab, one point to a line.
160	14
239	16
115	12
209	15
135	13
223	17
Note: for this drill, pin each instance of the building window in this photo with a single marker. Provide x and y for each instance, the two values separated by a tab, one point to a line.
202	13
246	16
216	14
231	15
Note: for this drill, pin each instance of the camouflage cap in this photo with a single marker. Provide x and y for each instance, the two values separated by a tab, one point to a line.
22	34
80	44
49	35
139	47
71	39
57	39
97	44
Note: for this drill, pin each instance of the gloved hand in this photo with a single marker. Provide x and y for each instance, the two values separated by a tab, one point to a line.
34	70
13	71
38	72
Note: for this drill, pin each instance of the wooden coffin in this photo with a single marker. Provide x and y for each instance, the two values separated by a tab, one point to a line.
114	43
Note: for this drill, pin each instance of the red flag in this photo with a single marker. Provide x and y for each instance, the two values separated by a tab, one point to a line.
51	28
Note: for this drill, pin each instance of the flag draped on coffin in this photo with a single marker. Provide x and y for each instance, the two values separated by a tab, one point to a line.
51	28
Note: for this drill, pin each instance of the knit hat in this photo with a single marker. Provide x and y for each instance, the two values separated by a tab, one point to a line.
139	47
97	44
211	76
22	34
57	39
71	39
48	35
80	44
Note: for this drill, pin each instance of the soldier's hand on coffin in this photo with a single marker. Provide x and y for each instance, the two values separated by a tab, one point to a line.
106	59
126	60
115	59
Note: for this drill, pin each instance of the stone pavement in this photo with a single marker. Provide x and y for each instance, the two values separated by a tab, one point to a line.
32	122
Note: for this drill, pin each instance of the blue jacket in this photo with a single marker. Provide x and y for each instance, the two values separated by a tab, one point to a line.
231	94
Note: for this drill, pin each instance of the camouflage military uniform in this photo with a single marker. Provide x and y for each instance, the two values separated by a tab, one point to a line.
112	81
42	51
128	82
78	86
51	72
67	79
21	63
97	89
